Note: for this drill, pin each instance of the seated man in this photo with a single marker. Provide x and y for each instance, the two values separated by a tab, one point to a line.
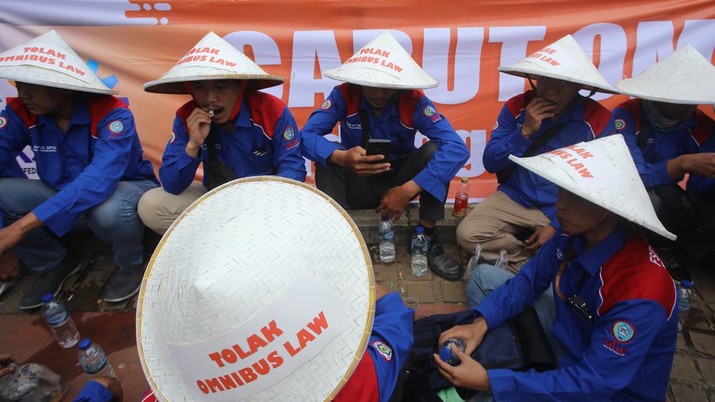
90	163
666	134
228	125
520	216
378	102
614	314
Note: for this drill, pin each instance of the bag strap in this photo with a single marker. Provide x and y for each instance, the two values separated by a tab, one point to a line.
211	144
503	174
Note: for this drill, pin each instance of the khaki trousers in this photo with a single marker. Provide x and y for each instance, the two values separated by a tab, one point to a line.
494	222
159	209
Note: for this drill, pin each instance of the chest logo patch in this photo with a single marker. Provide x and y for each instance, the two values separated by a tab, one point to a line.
429	111
3	122
326	105
116	127
623	331
288	134
620	124
384	350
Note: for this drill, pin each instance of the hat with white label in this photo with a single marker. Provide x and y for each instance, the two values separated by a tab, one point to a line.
684	77
213	58
562	60
383	63
601	171
49	61
262	289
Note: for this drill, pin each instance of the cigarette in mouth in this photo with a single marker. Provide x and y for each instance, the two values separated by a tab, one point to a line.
211	112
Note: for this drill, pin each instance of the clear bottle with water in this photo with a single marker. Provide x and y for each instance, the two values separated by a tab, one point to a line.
387	240
93	360
420	248
685	300
59	320
503	261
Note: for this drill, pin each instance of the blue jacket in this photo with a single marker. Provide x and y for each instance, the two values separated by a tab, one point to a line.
703	187
264	141
412	111
100	148
626	352
584	122
660	146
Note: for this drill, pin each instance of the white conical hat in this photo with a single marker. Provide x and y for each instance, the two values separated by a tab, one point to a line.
212	59
49	61
383	63
601	171
245	272
562	60
684	77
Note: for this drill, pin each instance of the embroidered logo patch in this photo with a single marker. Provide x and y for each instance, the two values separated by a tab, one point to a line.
172	138
623	331
326	105
496	125
429	111
116	127
288	134
620	124
3	122
384	350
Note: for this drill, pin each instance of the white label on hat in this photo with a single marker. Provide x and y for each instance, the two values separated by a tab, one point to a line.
279	339
586	165
554	58
47	57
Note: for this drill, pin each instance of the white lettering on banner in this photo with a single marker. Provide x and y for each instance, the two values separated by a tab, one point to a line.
612	53
362	36
476	141
265	52
309	48
466	64
701	35
655	42
514	43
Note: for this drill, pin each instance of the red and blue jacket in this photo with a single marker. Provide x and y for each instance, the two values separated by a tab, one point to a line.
625	352
661	146
264	141
84	164
410	112
583	122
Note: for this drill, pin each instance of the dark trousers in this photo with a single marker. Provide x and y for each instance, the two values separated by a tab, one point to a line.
365	192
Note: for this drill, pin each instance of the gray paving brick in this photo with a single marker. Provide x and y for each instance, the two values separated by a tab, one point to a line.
683	393
422	291
703	343
453	292
707	370
685	370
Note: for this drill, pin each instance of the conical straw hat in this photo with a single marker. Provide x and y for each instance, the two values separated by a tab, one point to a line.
601	171
49	61
212	59
562	60
383	63
242	279
684	77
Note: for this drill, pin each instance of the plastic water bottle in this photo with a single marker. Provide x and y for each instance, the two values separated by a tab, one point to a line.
685	300
503	261
461	198
446	353
420	248
387	240
59	320
473	262
93	360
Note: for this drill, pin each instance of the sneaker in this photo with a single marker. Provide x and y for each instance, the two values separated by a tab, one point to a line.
124	283
443	265
49	282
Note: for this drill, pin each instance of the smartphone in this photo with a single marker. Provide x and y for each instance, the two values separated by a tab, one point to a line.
376	146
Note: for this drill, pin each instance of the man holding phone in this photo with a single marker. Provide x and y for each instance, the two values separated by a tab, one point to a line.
380	101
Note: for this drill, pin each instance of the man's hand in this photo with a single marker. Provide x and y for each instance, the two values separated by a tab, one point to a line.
357	161
395	200
702	164
9	267
468	374
539	238
536	111
472	334
199	125
6	364
11	235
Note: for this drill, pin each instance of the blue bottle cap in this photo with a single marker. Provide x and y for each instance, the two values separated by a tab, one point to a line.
419	229
686	283
84	343
47	297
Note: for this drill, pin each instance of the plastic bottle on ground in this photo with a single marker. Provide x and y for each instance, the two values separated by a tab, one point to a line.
59	320
93	360
473	262
503	261
685	301
387	240
420	248
461	198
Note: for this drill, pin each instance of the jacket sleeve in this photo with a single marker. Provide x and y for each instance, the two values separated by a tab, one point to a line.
320	123
288	159
98	180
506	139
178	169
14	136
451	154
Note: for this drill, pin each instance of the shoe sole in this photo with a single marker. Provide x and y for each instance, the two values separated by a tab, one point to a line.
120	299
74	271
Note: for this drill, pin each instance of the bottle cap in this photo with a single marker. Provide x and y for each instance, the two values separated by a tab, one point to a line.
84	343
686	283
385	217
419	229
47	297
465	179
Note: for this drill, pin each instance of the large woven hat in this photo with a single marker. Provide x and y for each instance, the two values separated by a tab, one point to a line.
212	59
562	60
49	61
601	171
684	77
261	290
383	63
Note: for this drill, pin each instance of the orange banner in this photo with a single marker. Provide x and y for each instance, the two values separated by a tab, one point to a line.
460	43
